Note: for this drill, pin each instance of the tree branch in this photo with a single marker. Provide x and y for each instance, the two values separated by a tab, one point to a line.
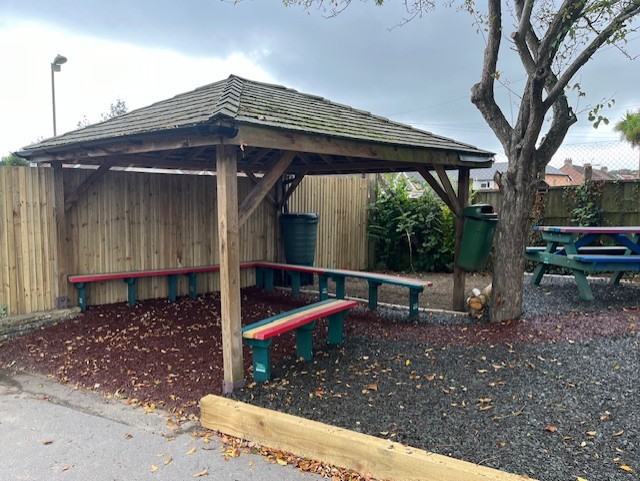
630	11
482	94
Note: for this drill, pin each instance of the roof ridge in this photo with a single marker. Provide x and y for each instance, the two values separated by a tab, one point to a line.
228	104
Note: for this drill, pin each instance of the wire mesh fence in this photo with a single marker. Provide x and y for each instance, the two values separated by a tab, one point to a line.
617	158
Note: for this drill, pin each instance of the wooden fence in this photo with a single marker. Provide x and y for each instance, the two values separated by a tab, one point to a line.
134	221
28	239
341	204
619	201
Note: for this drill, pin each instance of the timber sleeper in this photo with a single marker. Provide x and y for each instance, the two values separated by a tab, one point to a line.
260	334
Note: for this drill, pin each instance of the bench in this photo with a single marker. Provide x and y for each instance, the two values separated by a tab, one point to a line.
416	287
131	279
260	334
605	250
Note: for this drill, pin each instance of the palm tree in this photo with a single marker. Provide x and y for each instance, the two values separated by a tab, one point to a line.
629	128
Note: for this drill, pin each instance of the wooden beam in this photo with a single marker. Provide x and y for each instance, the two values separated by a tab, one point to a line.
459	275
379	458
257	194
255	136
60	222
89	182
229	248
256	181
448	188
290	189
433	183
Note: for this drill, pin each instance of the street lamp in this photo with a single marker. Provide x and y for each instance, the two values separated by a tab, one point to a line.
55	67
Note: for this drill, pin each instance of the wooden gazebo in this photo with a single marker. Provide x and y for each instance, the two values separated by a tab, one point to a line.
265	131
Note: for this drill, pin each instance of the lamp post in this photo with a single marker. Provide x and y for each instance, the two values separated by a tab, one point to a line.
55	67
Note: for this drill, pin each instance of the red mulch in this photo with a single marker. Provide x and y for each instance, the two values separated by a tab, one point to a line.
170	354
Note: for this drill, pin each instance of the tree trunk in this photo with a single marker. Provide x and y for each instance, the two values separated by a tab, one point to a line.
518	195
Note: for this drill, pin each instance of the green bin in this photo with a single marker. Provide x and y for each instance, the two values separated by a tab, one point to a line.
299	233
480	222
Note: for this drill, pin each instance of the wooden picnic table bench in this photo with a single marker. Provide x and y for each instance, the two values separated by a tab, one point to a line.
570	247
374	280
260	334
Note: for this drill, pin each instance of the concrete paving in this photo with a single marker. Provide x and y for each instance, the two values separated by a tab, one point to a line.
49	431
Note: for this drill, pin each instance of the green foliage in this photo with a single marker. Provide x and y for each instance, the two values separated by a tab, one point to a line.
629	128
411	234
13	160
587	201
3	311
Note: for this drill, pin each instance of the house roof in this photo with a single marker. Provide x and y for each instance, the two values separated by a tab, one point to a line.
596	174
224	108
488	173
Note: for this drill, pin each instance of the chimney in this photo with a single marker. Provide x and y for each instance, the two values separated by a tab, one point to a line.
568	161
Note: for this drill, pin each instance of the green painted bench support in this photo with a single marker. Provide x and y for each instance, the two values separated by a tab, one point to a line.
132	290
193	285
303	320
82	295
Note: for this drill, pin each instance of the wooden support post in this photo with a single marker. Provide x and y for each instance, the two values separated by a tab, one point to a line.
459	275
229	248
62	267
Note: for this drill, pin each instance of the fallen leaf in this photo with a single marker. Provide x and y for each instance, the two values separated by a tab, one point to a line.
66	468
191	451
551	428
482	371
372	387
128	437
619	433
626	468
281	462
591	433
204	472
407	362
154	468
168	460
46	442
578	478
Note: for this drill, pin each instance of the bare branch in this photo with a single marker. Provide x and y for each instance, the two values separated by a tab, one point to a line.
614	25
482	94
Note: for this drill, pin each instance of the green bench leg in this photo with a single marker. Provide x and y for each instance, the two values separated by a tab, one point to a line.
304	341
193	285
583	285
295	283
413	304
132	287
323	287
267	280
336	324
261	359
260	277
538	272
373	295
340	287
172	280
82	296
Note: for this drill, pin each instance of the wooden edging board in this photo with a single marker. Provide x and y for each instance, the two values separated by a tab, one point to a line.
340	447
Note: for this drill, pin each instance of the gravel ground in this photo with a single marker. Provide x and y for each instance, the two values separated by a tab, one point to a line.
556	401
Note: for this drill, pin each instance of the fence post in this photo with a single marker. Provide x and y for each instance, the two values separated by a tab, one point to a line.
60	222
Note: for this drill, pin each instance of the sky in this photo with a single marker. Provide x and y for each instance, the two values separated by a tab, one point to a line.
143	51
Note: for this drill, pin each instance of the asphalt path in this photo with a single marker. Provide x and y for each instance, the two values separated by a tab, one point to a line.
51	431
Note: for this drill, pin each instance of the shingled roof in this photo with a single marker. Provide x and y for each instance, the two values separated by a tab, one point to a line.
222	107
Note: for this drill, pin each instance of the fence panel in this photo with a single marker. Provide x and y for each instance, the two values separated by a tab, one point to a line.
341	204
27	256
619	201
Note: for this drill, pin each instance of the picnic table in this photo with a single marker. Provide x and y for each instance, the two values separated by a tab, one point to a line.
578	249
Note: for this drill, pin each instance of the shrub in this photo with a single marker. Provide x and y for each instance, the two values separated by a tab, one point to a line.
411	233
